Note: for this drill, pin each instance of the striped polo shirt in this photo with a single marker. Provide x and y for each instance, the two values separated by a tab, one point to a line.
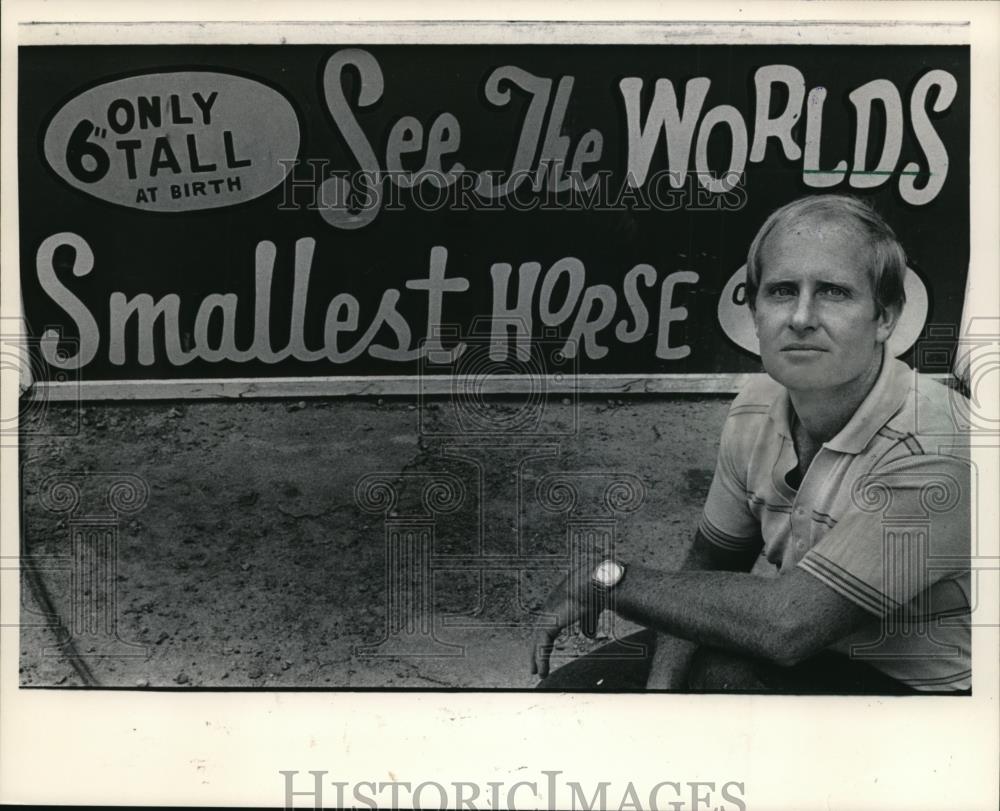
881	517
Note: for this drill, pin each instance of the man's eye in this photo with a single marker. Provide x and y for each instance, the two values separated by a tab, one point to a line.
835	292
782	290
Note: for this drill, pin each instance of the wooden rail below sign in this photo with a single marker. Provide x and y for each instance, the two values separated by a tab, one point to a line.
434	385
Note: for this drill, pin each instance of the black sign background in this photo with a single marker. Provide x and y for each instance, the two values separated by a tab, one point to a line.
197	253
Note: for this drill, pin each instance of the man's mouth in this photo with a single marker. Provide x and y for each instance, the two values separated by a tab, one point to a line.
802	348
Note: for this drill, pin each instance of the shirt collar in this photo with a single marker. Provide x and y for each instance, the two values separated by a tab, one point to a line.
883	401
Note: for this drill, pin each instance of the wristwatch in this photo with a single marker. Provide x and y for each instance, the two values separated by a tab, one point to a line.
605	577
608	574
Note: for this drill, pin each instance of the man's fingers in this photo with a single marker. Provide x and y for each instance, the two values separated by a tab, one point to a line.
541	650
589	620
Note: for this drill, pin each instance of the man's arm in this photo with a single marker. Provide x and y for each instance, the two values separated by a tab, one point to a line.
783	619
572	599
672	656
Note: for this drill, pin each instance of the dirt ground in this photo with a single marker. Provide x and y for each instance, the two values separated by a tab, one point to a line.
249	559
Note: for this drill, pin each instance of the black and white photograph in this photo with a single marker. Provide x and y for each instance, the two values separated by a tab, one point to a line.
528	362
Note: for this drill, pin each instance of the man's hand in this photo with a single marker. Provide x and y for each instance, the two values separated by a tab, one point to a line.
574	599
671	663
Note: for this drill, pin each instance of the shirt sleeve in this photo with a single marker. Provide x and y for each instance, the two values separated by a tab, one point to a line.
727	521
908	528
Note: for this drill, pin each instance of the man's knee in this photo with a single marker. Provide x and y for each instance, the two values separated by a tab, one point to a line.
715	669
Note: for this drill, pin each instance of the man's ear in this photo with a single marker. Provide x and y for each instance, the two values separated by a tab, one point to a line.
887	320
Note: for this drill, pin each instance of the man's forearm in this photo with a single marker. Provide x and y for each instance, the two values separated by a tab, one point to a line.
782	619
672	657
719	609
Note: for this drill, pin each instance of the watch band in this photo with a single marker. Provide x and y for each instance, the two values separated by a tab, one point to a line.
603	580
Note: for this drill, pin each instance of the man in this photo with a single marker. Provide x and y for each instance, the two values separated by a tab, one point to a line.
842	467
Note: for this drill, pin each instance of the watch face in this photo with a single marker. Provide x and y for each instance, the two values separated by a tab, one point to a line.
608	573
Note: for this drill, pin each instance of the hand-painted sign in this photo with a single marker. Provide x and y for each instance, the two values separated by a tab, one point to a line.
212	213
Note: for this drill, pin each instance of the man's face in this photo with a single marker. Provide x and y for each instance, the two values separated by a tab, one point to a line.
815	309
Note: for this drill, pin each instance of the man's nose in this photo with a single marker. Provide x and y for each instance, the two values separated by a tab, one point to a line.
804	314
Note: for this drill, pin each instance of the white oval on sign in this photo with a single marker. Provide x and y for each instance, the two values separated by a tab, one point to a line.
737	322
174	141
